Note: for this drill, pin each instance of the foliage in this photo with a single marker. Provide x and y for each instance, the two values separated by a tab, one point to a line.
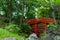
53	26
11	11
6	33
42	8
42	36
25	28
13	28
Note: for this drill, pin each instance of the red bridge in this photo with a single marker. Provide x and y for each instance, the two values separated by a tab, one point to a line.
40	25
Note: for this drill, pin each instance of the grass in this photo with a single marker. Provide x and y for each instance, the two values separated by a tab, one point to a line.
5	33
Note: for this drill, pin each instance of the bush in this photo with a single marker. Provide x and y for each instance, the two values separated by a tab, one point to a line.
19	29
25	28
5	33
13	28
53	26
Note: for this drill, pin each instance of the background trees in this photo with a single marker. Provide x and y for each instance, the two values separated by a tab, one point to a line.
18	10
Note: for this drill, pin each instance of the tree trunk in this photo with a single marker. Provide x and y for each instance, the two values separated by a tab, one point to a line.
54	18
10	11
53	13
22	18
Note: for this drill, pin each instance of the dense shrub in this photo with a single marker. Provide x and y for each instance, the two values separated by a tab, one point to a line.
5	33
13	28
19	29
53	26
25	28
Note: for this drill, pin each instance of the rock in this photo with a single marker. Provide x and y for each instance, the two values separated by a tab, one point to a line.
57	37
32	37
9	38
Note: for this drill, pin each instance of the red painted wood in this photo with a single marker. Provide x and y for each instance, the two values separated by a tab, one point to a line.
39	25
